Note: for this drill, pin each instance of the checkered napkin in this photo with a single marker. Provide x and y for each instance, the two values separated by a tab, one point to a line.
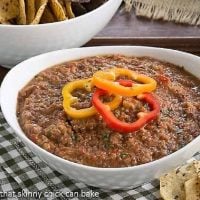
24	176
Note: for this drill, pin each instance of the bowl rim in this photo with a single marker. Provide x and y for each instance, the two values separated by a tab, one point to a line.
23	136
73	20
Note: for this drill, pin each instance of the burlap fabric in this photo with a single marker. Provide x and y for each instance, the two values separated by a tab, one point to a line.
179	11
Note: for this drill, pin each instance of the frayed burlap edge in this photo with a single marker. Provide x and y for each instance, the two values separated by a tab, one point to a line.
180	11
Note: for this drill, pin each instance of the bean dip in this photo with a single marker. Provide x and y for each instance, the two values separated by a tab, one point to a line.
89	141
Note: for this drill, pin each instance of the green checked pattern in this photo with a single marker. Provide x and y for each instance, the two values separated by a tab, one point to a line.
24	176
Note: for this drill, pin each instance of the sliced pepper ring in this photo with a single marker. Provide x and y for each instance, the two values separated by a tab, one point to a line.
68	99
106	80
124	127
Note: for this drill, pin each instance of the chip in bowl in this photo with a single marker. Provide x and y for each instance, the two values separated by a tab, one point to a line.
41	7
9	9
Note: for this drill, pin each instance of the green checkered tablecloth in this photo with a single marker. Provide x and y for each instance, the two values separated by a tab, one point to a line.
24	176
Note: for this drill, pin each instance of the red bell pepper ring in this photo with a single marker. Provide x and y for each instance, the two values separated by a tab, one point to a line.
125	83
121	126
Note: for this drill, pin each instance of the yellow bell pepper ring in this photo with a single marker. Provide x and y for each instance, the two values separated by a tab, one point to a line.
68	99
106	80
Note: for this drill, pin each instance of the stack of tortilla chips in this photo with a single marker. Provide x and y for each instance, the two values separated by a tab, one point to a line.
182	183
43	11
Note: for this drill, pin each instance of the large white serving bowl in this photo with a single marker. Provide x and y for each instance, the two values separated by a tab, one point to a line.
110	178
20	42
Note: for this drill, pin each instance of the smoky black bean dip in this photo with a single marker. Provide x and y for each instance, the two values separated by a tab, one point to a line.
89	141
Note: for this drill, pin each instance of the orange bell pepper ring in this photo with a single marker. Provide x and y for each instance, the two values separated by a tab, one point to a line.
106	80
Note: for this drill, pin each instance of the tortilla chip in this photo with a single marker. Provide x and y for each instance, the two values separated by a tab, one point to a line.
70	13
78	9
42	6
188	171
62	3
30	10
172	183
47	16
58	10
192	189
197	166
93	4
37	4
9	9
5	22
22	13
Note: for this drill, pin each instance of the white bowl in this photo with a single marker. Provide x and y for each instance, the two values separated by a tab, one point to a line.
110	178
20	42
